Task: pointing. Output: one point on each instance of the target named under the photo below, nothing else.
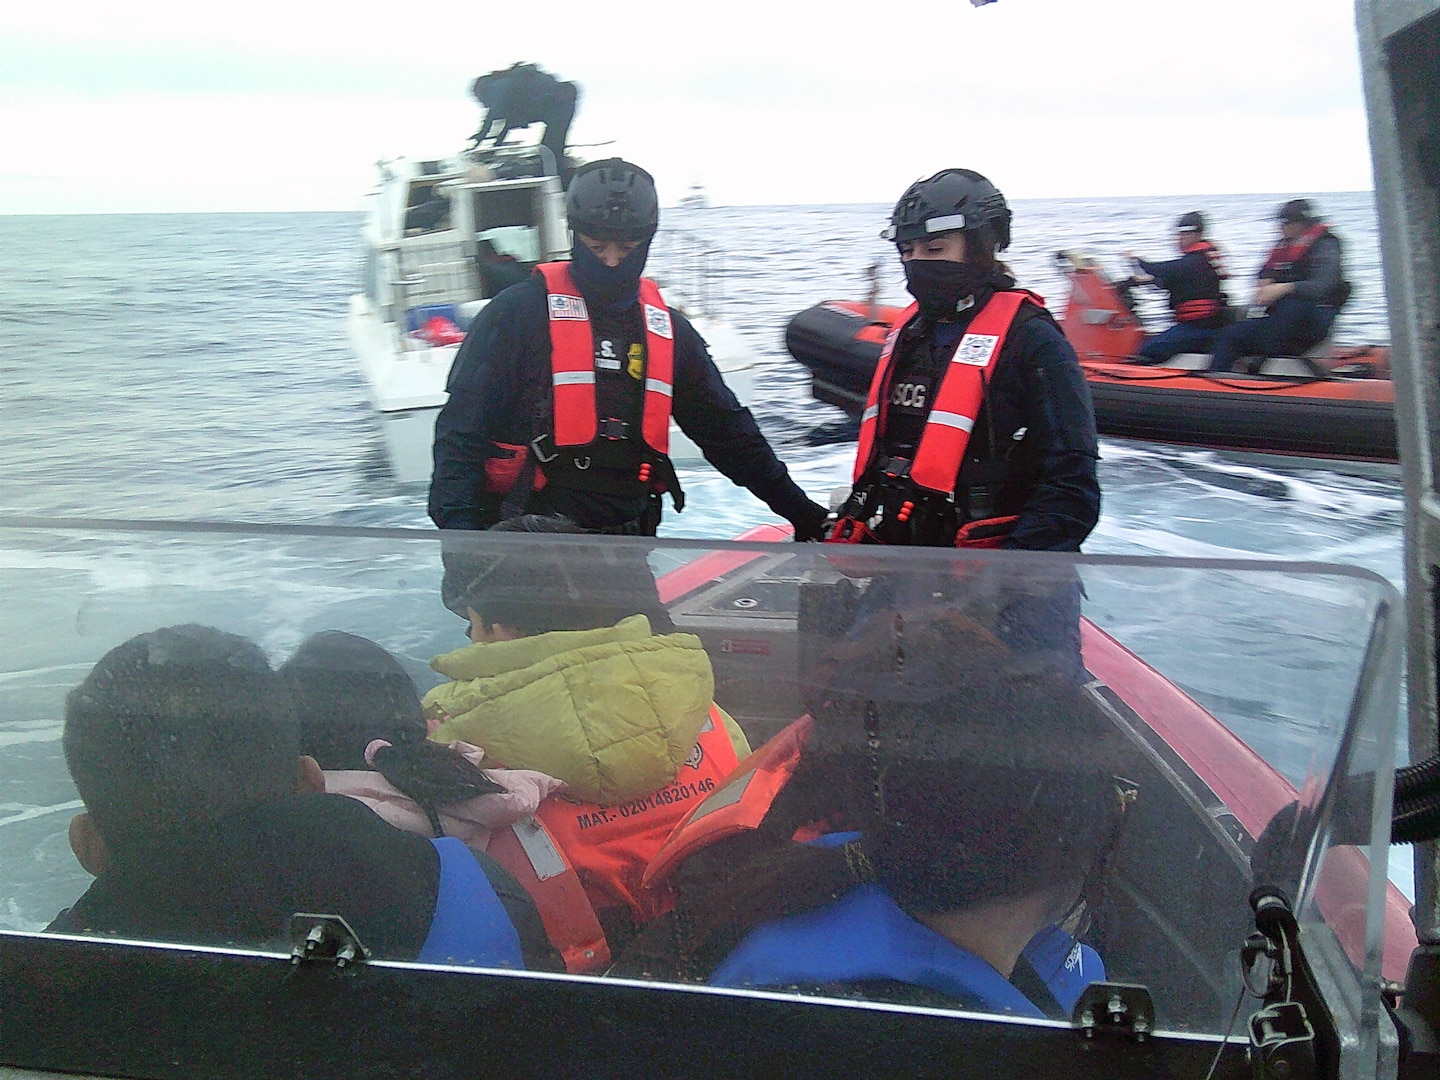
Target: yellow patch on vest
(636, 367)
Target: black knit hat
(539, 588)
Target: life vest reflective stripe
(540, 865)
(956, 404)
(1191, 310)
(611, 846)
(572, 362)
(739, 805)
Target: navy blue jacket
(500, 392)
(1189, 278)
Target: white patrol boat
(441, 239)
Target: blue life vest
(470, 926)
(865, 935)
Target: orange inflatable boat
(1339, 404)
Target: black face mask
(613, 287)
(939, 285)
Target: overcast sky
(154, 105)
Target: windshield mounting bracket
(1116, 1009)
(316, 938)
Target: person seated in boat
(565, 676)
(936, 835)
(979, 429)
(1194, 284)
(362, 721)
(521, 95)
(1301, 288)
(204, 823)
(562, 393)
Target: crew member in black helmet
(979, 429)
(1196, 293)
(562, 393)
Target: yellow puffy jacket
(613, 712)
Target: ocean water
(195, 367)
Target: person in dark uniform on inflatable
(979, 429)
(205, 824)
(562, 392)
(929, 838)
(1197, 297)
(1302, 287)
(522, 95)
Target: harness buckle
(583, 463)
(612, 429)
(895, 468)
(539, 444)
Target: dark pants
(1289, 327)
(1180, 338)
(557, 119)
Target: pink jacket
(470, 822)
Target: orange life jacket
(1288, 254)
(611, 846)
(955, 406)
(572, 362)
(738, 805)
(536, 860)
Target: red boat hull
(1349, 413)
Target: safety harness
(583, 449)
(925, 482)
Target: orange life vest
(955, 406)
(739, 804)
(535, 859)
(610, 846)
(572, 362)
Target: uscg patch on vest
(657, 321)
(568, 307)
(976, 349)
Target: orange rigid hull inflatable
(1340, 406)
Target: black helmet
(613, 200)
(1296, 212)
(951, 200)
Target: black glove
(809, 521)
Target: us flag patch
(568, 307)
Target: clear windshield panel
(976, 783)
